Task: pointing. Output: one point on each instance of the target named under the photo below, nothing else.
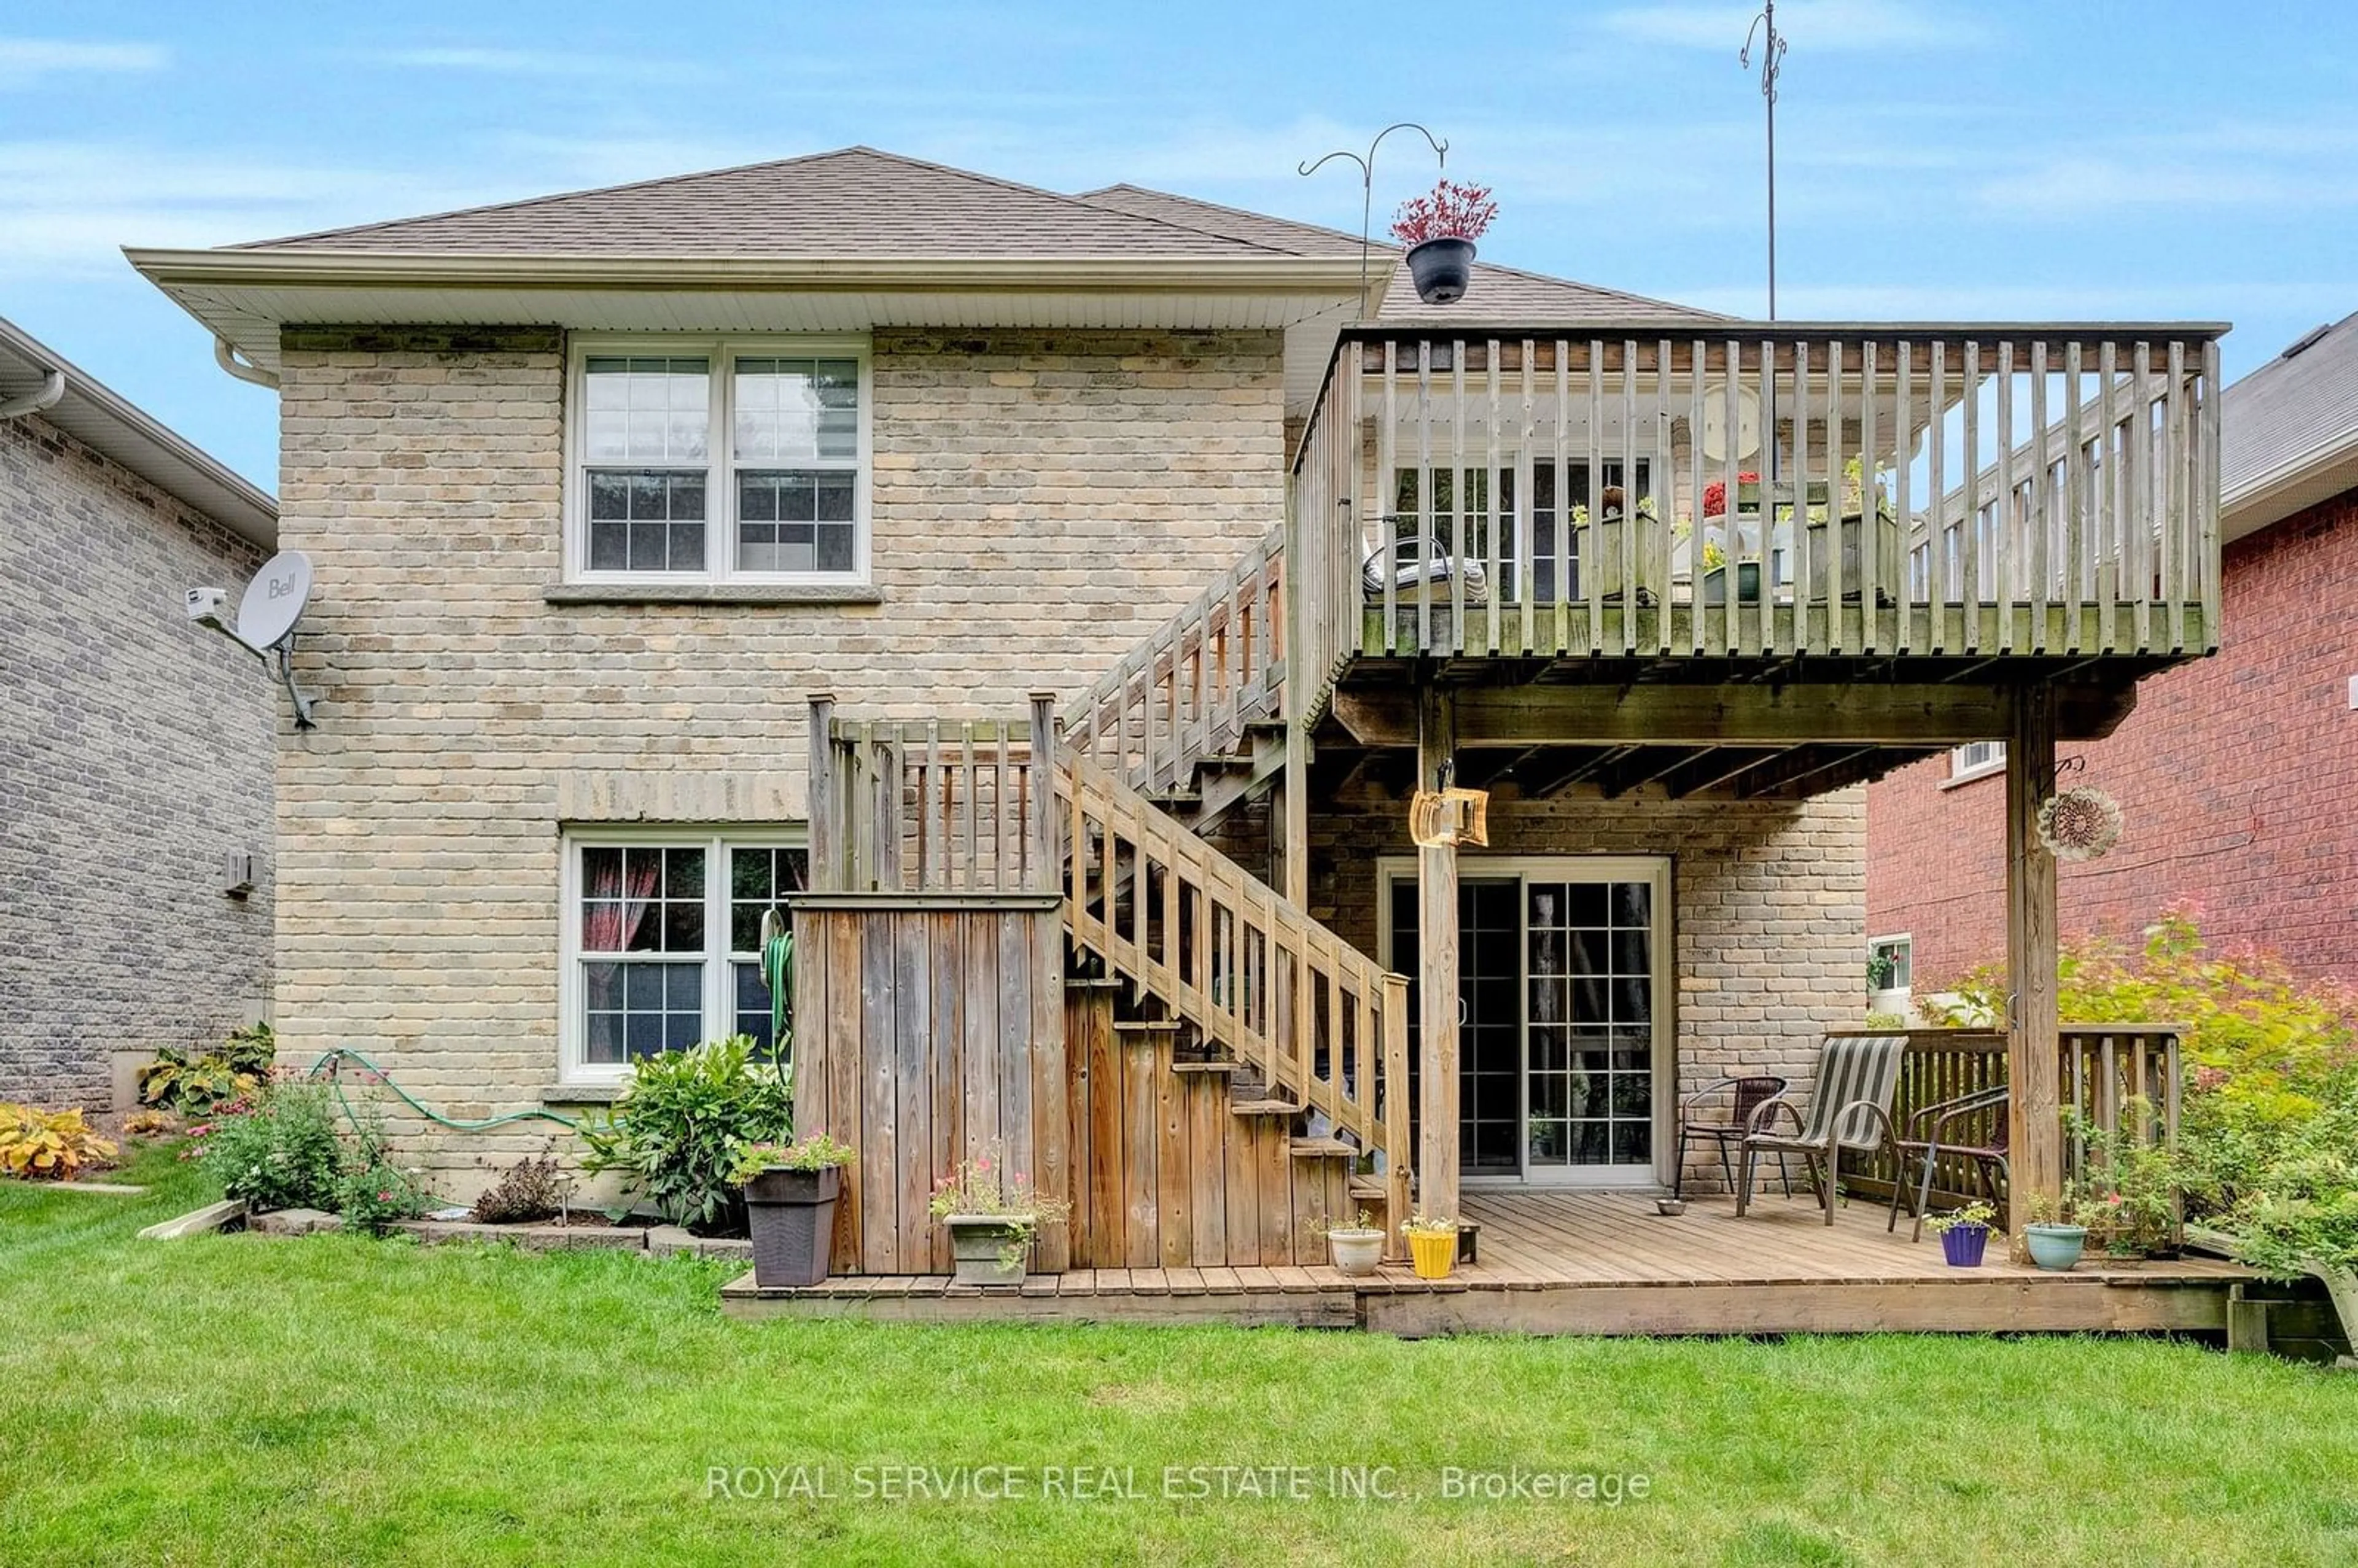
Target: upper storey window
(719, 461)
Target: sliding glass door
(1564, 1035)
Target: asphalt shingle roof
(857, 202)
(2303, 401)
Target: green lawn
(239, 1401)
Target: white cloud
(2084, 184)
(66, 206)
(530, 62)
(25, 60)
(1822, 25)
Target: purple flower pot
(1963, 1245)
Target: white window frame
(721, 460)
(1396, 872)
(1905, 941)
(719, 998)
(1975, 760)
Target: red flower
(1714, 494)
(1452, 211)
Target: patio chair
(1697, 1125)
(1850, 1107)
(1963, 1128)
(1418, 557)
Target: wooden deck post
(1436, 883)
(2035, 1129)
(819, 796)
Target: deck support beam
(2035, 1127)
(1833, 713)
(1437, 886)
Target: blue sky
(2083, 160)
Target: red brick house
(2235, 774)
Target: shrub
(2268, 1133)
(193, 1083)
(372, 1193)
(673, 1130)
(48, 1145)
(278, 1149)
(536, 1187)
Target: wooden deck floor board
(1592, 1262)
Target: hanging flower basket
(2078, 824)
(1439, 230)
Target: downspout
(229, 359)
(53, 387)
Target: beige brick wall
(1768, 909)
(137, 756)
(1041, 500)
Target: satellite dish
(1714, 422)
(274, 601)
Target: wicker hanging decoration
(2078, 824)
(1444, 818)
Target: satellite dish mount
(266, 616)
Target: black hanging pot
(1441, 269)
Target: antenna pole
(1772, 63)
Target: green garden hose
(329, 1068)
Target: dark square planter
(792, 1216)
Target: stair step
(1265, 726)
(1227, 761)
(1368, 1189)
(1094, 982)
(1324, 1148)
(1264, 1108)
(1177, 799)
(1146, 1026)
(1204, 1066)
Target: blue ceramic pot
(2055, 1247)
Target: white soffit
(249, 311)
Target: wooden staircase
(1284, 1021)
(1230, 1073)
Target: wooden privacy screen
(925, 1035)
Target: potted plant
(2057, 1231)
(1357, 1248)
(1963, 1234)
(992, 1215)
(1431, 1245)
(1890, 551)
(1603, 547)
(1439, 230)
(790, 1196)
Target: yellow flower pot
(1434, 1256)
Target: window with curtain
(664, 947)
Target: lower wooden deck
(1592, 1263)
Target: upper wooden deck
(1959, 493)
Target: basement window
(739, 461)
(1977, 758)
(662, 940)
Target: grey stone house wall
(136, 753)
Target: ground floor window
(1888, 963)
(663, 941)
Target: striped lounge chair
(1849, 1108)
